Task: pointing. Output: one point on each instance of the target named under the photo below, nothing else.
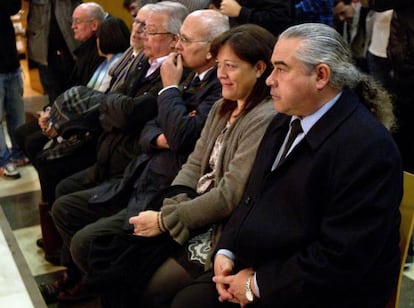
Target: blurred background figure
(379, 65)
(51, 43)
(11, 91)
(273, 15)
(314, 11)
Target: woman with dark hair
(112, 39)
(219, 166)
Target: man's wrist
(249, 290)
(166, 88)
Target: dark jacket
(274, 15)
(182, 131)
(322, 229)
(49, 23)
(87, 60)
(122, 117)
(9, 61)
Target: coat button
(247, 200)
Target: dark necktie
(194, 83)
(295, 130)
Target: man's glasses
(186, 41)
(77, 21)
(148, 32)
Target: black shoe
(40, 243)
(53, 257)
(78, 293)
(50, 291)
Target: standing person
(11, 91)
(379, 65)
(318, 225)
(400, 52)
(51, 44)
(273, 15)
(401, 56)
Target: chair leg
(52, 241)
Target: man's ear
(323, 75)
(260, 68)
(95, 25)
(209, 56)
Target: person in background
(86, 19)
(11, 92)
(112, 39)
(318, 225)
(273, 15)
(354, 23)
(131, 6)
(345, 19)
(51, 44)
(379, 65)
(400, 52)
(314, 11)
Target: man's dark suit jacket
(322, 229)
(181, 129)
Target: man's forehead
(80, 11)
(155, 19)
(285, 49)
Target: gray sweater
(233, 168)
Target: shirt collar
(310, 120)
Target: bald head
(86, 19)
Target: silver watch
(249, 292)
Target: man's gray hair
(176, 13)
(323, 44)
(94, 11)
(217, 23)
(320, 43)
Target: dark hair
(251, 43)
(216, 3)
(113, 36)
(127, 3)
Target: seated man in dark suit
(319, 222)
